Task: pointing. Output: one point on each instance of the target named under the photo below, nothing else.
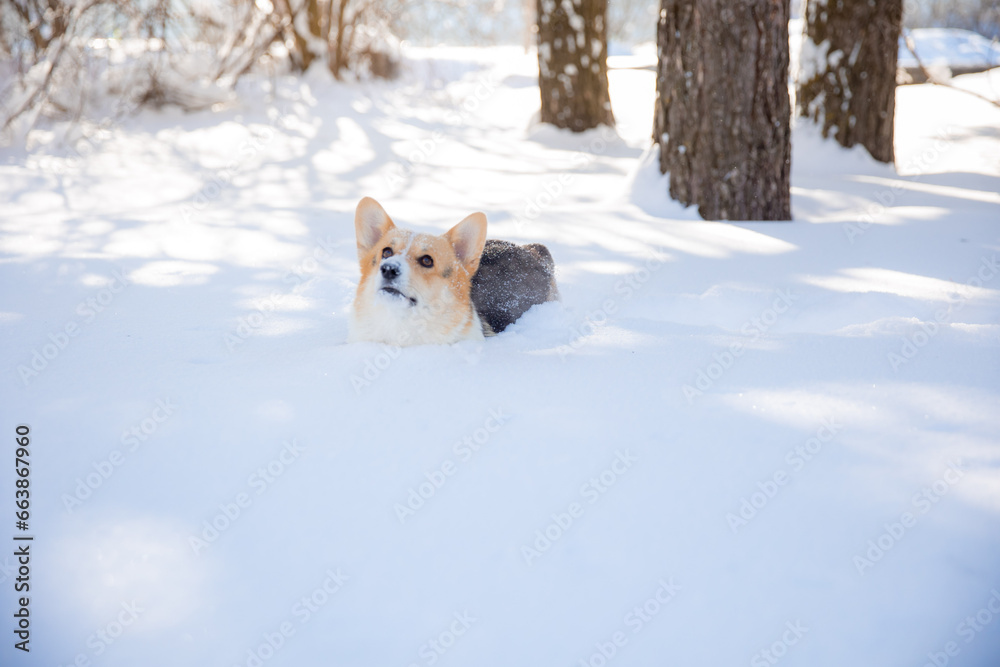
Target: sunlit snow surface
(949, 47)
(727, 438)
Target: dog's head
(412, 281)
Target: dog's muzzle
(390, 271)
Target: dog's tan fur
(421, 304)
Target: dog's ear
(468, 238)
(371, 222)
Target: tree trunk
(847, 79)
(338, 59)
(573, 63)
(298, 48)
(722, 112)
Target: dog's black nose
(390, 271)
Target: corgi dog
(418, 289)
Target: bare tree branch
(41, 91)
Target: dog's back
(510, 280)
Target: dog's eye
(427, 261)
(386, 253)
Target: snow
(728, 438)
(949, 47)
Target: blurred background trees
(847, 77)
(102, 59)
(573, 63)
(64, 59)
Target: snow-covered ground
(949, 47)
(729, 444)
